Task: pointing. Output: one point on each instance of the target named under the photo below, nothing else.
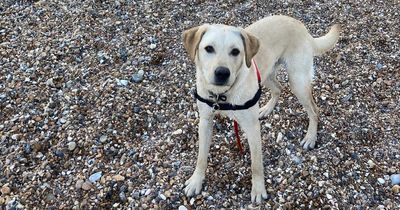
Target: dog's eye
(235, 52)
(209, 49)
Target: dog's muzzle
(221, 75)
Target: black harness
(227, 106)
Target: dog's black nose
(221, 75)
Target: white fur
(280, 37)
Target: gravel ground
(97, 111)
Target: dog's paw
(193, 185)
(308, 142)
(258, 193)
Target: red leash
(238, 143)
(235, 124)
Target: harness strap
(228, 106)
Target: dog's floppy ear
(251, 46)
(192, 38)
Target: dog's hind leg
(300, 71)
(272, 83)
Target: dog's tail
(325, 43)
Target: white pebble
(177, 132)
(381, 181)
(140, 73)
(279, 138)
(15, 136)
(182, 208)
(103, 138)
(122, 82)
(371, 163)
(94, 177)
(71, 145)
(153, 46)
(63, 120)
(163, 197)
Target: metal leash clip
(217, 98)
(215, 106)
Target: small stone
(254, 207)
(379, 66)
(329, 196)
(168, 193)
(136, 109)
(50, 197)
(15, 136)
(102, 57)
(177, 132)
(50, 82)
(5, 190)
(381, 181)
(163, 197)
(135, 194)
(296, 160)
(122, 196)
(118, 178)
(279, 137)
(346, 98)
(62, 120)
(59, 153)
(103, 138)
(123, 54)
(354, 156)
(14, 204)
(182, 208)
(71, 146)
(395, 178)
(27, 148)
(122, 82)
(79, 184)
(153, 46)
(94, 177)
(371, 164)
(87, 185)
(148, 191)
(138, 77)
(396, 189)
(38, 118)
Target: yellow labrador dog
(225, 75)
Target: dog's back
(279, 35)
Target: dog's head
(220, 52)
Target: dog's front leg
(251, 126)
(194, 184)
